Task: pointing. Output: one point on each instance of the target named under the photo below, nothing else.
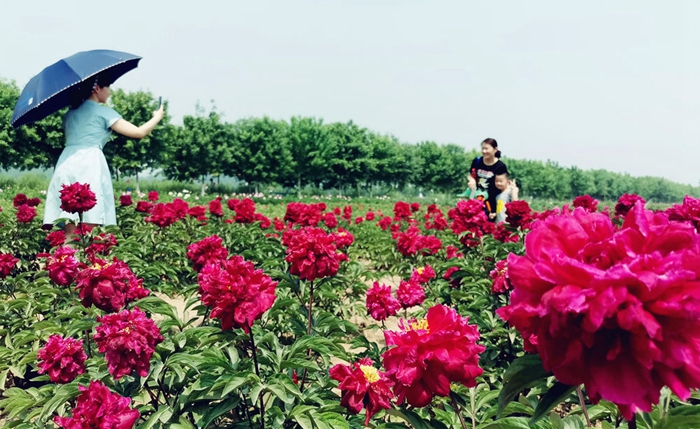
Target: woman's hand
(471, 183)
(158, 114)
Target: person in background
(509, 192)
(88, 126)
(483, 172)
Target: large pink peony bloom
(63, 266)
(426, 355)
(128, 340)
(62, 358)
(615, 309)
(97, 407)
(237, 292)
(380, 303)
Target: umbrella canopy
(56, 86)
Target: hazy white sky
(595, 84)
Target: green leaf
(217, 410)
(679, 421)
(63, 394)
(554, 396)
(521, 374)
(161, 416)
(330, 420)
(508, 423)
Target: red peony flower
(469, 221)
(237, 292)
(410, 293)
(97, 407)
(125, 200)
(614, 309)
(63, 266)
(162, 215)
(343, 238)
(363, 386)
(519, 214)
(312, 253)
(336, 211)
(77, 198)
(415, 207)
(7, 264)
(19, 200)
(33, 202)
(625, 204)
(330, 220)
(453, 252)
(244, 209)
(499, 275)
(454, 282)
(25, 214)
(402, 210)
(369, 216)
(62, 358)
(689, 211)
(198, 212)
(347, 213)
(128, 340)
(304, 214)
(412, 242)
(209, 250)
(504, 234)
(431, 353)
(586, 202)
(384, 222)
(215, 207)
(423, 274)
(380, 303)
(101, 245)
(144, 207)
(56, 238)
(359, 220)
(153, 196)
(109, 285)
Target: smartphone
(160, 102)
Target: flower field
(224, 313)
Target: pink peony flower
(97, 407)
(62, 358)
(128, 340)
(410, 293)
(380, 303)
(363, 386)
(617, 310)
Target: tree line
(302, 152)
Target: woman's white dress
(87, 130)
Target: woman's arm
(130, 130)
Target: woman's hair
(83, 90)
(494, 144)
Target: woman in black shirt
(482, 174)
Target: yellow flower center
(371, 373)
(98, 266)
(419, 325)
(420, 270)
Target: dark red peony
(62, 358)
(77, 198)
(97, 407)
(128, 340)
(363, 386)
(380, 303)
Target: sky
(595, 84)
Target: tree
(199, 148)
(310, 149)
(265, 156)
(351, 154)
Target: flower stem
(455, 405)
(257, 372)
(308, 331)
(582, 401)
(632, 424)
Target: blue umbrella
(56, 85)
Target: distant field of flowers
(239, 311)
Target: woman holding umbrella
(88, 126)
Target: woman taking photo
(483, 172)
(88, 126)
